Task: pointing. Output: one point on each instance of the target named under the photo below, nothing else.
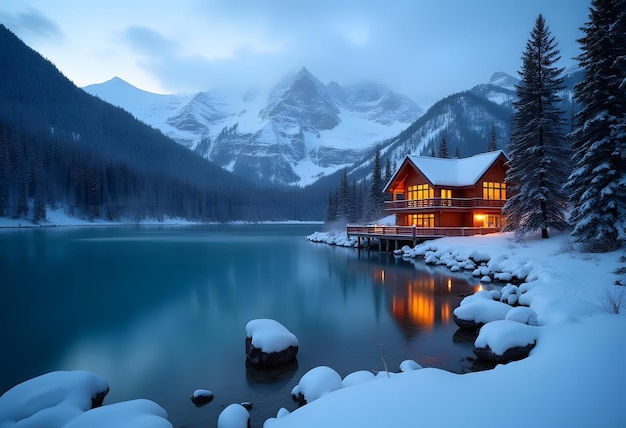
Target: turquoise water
(161, 311)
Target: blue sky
(424, 49)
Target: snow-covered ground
(573, 377)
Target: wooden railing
(418, 232)
(444, 203)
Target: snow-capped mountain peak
(295, 134)
(503, 80)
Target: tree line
(592, 183)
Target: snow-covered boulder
(504, 340)
(315, 383)
(522, 314)
(478, 312)
(269, 343)
(234, 416)
(127, 414)
(409, 365)
(52, 399)
(201, 397)
(358, 377)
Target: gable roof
(451, 172)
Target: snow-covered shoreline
(58, 218)
(573, 376)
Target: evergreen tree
(492, 146)
(597, 184)
(457, 153)
(388, 171)
(443, 148)
(537, 171)
(343, 204)
(376, 197)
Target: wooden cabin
(432, 192)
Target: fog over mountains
(303, 130)
(300, 131)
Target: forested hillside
(61, 147)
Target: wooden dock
(396, 236)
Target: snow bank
(550, 389)
(50, 400)
(269, 335)
(128, 414)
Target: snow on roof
(452, 172)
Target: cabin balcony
(443, 203)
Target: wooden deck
(447, 203)
(398, 234)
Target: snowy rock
(357, 377)
(281, 412)
(269, 343)
(505, 340)
(315, 383)
(522, 314)
(475, 314)
(409, 365)
(485, 279)
(127, 414)
(52, 399)
(201, 397)
(234, 416)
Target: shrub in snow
(478, 312)
(315, 383)
(52, 399)
(127, 414)
(234, 416)
(522, 314)
(409, 365)
(358, 377)
(269, 343)
(201, 397)
(504, 340)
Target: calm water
(161, 311)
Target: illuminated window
(446, 195)
(493, 190)
(421, 191)
(422, 220)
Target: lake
(161, 311)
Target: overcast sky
(426, 49)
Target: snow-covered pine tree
(492, 146)
(443, 148)
(537, 170)
(597, 184)
(376, 197)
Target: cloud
(32, 23)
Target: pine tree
(597, 184)
(537, 171)
(492, 146)
(376, 197)
(443, 148)
(343, 205)
(457, 153)
(388, 171)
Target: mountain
(297, 132)
(62, 147)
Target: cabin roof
(451, 172)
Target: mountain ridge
(300, 130)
